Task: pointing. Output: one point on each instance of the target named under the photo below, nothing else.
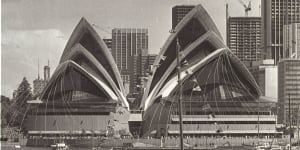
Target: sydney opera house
(85, 95)
(220, 96)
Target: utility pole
(180, 90)
(290, 130)
(258, 122)
(38, 68)
(180, 94)
(298, 115)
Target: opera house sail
(85, 95)
(220, 96)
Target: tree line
(13, 110)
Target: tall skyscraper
(178, 12)
(289, 89)
(147, 64)
(141, 67)
(276, 14)
(244, 37)
(128, 46)
(136, 75)
(291, 40)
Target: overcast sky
(33, 29)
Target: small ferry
(268, 146)
(59, 146)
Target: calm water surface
(11, 146)
(37, 148)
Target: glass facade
(129, 45)
(276, 14)
(291, 42)
(178, 12)
(244, 37)
(289, 88)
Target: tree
(23, 93)
(5, 104)
(19, 106)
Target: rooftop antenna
(227, 14)
(38, 68)
(290, 123)
(227, 18)
(247, 8)
(259, 10)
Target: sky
(33, 30)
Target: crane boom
(247, 8)
(242, 2)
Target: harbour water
(39, 148)
(11, 146)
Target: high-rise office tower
(244, 37)
(136, 75)
(147, 65)
(276, 14)
(289, 91)
(178, 12)
(291, 40)
(140, 73)
(128, 46)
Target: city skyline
(153, 72)
(32, 29)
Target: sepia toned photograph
(150, 74)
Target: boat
(59, 146)
(17, 146)
(287, 147)
(268, 146)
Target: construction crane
(247, 8)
